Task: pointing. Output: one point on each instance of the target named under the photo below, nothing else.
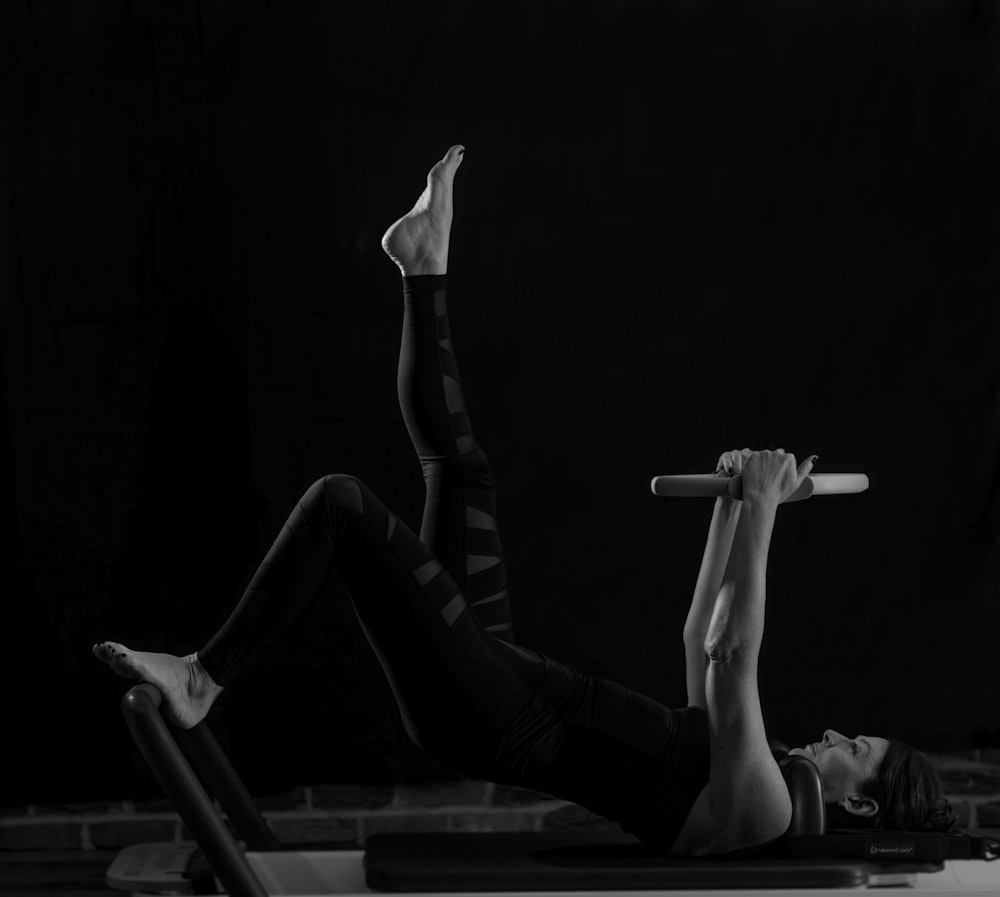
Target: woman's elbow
(723, 651)
(694, 636)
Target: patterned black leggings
(434, 608)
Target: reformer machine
(807, 860)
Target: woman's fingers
(734, 462)
(805, 468)
(725, 462)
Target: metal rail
(141, 708)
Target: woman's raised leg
(439, 660)
(460, 518)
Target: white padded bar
(708, 485)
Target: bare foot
(188, 691)
(418, 242)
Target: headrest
(809, 819)
(805, 788)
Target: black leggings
(435, 610)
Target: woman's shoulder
(698, 836)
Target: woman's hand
(730, 465)
(771, 477)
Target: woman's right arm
(748, 798)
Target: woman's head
(872, 782)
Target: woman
(691, 781)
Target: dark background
(680, 227)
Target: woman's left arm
(718, 544)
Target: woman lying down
(694, 780)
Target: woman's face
(844, 763)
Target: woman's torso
(615, 751)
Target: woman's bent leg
(457, 688)
(459, 521)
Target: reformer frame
(161, 745)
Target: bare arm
(713, 565)
(749, 800)
(721, 530)
(737, 625)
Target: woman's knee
(338, 490)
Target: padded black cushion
(566, 861)
(806, 790)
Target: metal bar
(141, 706)
(217, 772)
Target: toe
(448, 164)
(453, 158)
(446, 168)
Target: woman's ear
(859, 805)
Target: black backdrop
(681, 227)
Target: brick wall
(350, 813)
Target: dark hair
(908, 793)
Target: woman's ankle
(213, 687)
(419, 269)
